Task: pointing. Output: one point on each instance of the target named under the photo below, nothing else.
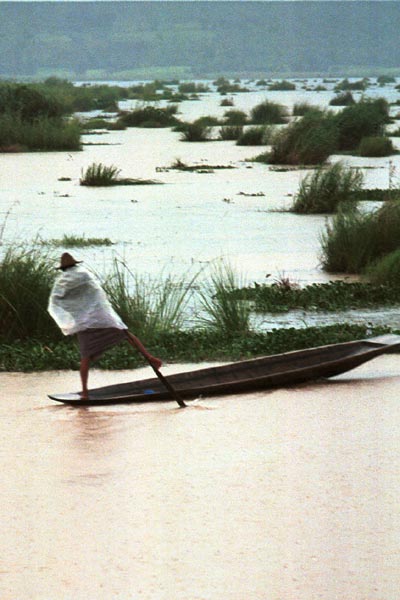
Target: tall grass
(195, 132)
(230, 132)
(376, 146)
(150, 116)
(386, 270)
(310, 140)
(354, 240)
(98, 174)
(76, 241)
(40, 134)
(26, 278)
(223, 310)
(255, 136)
(325, 189)
(268, 113)
(149, 307)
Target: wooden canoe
(260, 373)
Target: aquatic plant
(343, 99)
(326, 188)
(99, 175)
(386, 271)
(235, 117)
(75, 241)
(364, 119)
(26, 278)
(195, 132)
(150, 116)
(255, 136)
(310, 140)
(227, 102)
(376, 146)
(230, 132)
(283, 85)
(301, 108)
(42, 134)
(355, 239)
(268, 112)
(222, 310)
(148, 306)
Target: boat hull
(261, 373)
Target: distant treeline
(193, 39)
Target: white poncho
(78, 302)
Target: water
(281, 494)
(286, 494)
(190, 221)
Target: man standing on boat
(78, 304)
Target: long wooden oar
(139, 346)
(169, 387)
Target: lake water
(288, 494)
(190, 221)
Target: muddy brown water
(286, 494)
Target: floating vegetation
(99, 175)
(74, 241)
(325, 189)
(376, 146)
(178, 165)
(255, 195)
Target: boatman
(78, 304)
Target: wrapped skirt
(93, 342)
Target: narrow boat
(259, 373)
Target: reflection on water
(297, 487)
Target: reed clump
(76, 241)
(195, 132)
(326, 189)
(43, 133)
(150, 307)
(268, 112)
(222, 310)
(255, 136)
(235, 117)
(26, 278)
(376, 146)
(99, 175)
(355, 239)
(230, 132)
(150, 116)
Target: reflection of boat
(259, 373)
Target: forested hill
(102, 39)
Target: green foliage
(230, 132)
(330, 297)
(26, 277)
(346, 85)
(192, 345)
(283, 85)
(40, 134)
(354, 240)
(310, 140)
(325, 189)
(343, 99)
(75, 241)
(150, 116)
(376, 146)
(386, 271)
(100, 175)
(301, 108)
(268, 113)
(223, 311)
(192, 88)
(364, 119)
(235, 117)
(254, 136)
(149, 307)
(227, 102)
(195, 132)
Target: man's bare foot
(155, 362)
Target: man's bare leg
(136, 343)
(84, 373)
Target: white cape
(78, 302)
